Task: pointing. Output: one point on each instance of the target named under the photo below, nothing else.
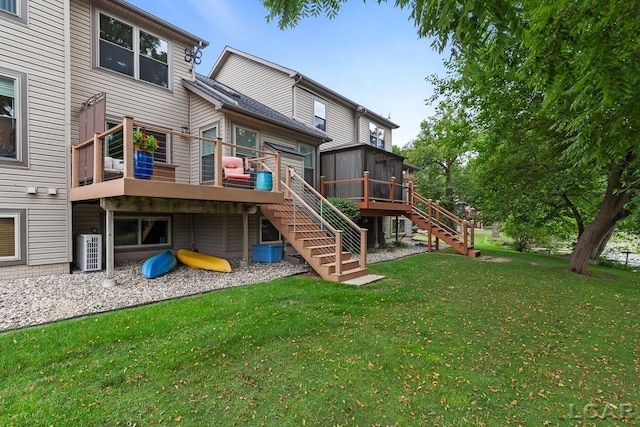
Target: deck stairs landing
(332, 244)
(442, 224)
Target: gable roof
(222, 96)
(160, 24)
(228, 51)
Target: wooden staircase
(442, 224)
(327, 240)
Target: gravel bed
(33, 301)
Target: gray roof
(223, 96)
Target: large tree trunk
(611, 211)
(598, 249)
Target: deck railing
(304, 198)
(366, 189)
(110, 155)
(434, 212)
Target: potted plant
(145, 145)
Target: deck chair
(234, 174)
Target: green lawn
(443, 340)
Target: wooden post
(363, 247)
(322, 190)
(75, 156)
(287, 181)
(429, 223)
(110, 280)
(127, 145)
(465, 225)
(366, 189)
(473, 232)
(217, 163)
(392, 186)
(338, 252)
(276, 177)
(245, 238)
(98, 158)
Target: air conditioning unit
(89, 252)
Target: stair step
(322, 249)
(315, 241)
(346, 265)
(330, 258)
(350, 274)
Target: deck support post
(110, 280)
(245, 239)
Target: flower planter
(142, 164)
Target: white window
(13, 132)
(14, 9)
(207, 150)
(268, 233)
(320, 115)
(376, 135)
(12, 237)
(141, 232)
(246, 138)
(309, 152)
(132, 51)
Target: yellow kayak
(205, 262)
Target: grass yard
(444, 340)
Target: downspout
(297, 77)
(67, 124)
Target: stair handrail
(354, 228)
(447, 215)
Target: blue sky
(368, 53)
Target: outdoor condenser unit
(89, 252)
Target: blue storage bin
(267, 253)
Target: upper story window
(13, 133)
(246, 138)
(129, 50)
(320, 115)
(376, 135)
(14, 9)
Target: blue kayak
(159, 264)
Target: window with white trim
(12, 237)
(376, 135)
(320, 115)
(13, 111)
(207, 150)
(129, 50)
(244, 137)
(268, 233)
(131, 232)
(14, 9)
(309, 152)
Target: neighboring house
(361, 139)
(34, 139)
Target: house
(358, 162)
(361, 140)
(70, 174)
(35, 221)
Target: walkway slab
(364, 280)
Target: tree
(441, 151)
(580, 58)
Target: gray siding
(340, 121)
(147, 103)
(264, 84)
(21, 51)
